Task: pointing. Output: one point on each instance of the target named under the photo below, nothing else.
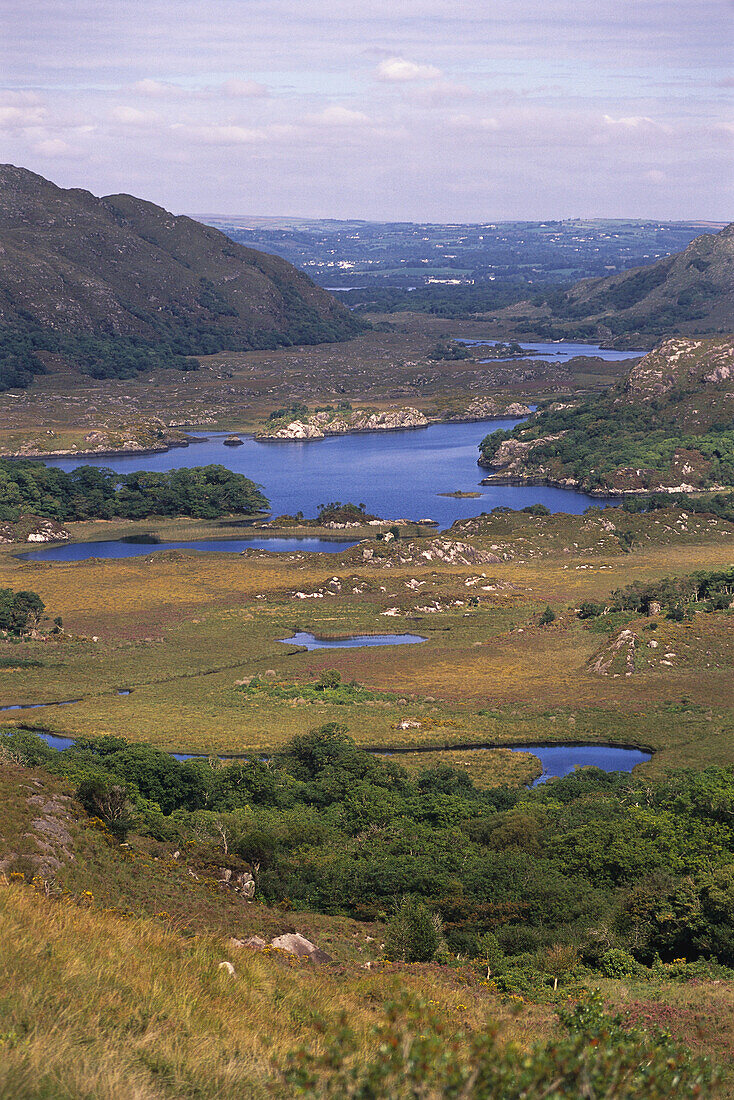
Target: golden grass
(181, 628)
(486, 767)
(113, 1008)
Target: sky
(405, 110)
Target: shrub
(420, 1052)
(617, 963)
(414, 934)
(548, 616)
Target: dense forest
(598, 871)
(91, 492)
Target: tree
(328, 680)
(107, 801)
(20, 611)
(559, 959)
(414, 934)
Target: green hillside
(691, 292)
(668, 425)
(117, 285)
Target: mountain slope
(687, 293)
(77, 267)
(669, 425)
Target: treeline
(711, 590)
(441, 301)
(713, 504)
(91, 492)
(606, 871)
(175, 345)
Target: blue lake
(357, 641)
(559, 352)
(560, 760)
(124, 548)
(395, 474)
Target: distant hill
(669, 425)
(687, 293)
(119, 285)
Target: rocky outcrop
(33, 529)
(681, 363)
(295, 429)
(320, 424)
(485, 408)
(146, 437)
(617, 656)
(242, 883)
(444, 550)
(296, 944)
(510, 456)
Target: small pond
(310, 641)
(129, 548)
(35, 706)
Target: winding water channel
(557, 760)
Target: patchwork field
(181, 631)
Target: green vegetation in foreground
(618, 871)
(90, 492)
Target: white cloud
(56, 147)
(232, 133)
(244, 89)
(158, 89)
(400, 71)
(20, 109)
(631, 122)
(340, 116)
(131, 116)
(467, 122)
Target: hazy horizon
(540, 111)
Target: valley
(361, 662)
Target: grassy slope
(113, 988)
